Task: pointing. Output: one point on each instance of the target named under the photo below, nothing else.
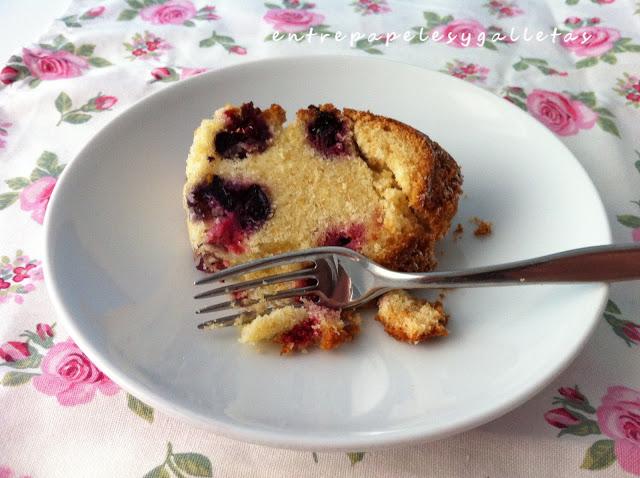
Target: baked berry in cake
(349, 178)
(302, 326)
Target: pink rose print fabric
(371, 7)
(467, 71)
(559, 113)
(619, 419)
(146, 46)
(35, 197)
(591, 40)
(18, 277)
(99, 57)
(48, 65)
(33, 192)
(173, 12)
(460, 33)
(14, 351)
(70, 376)
(292, 21)
(6, 472)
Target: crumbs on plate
(483, 228)
(457, 232)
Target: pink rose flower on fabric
(44, 331)
(632, 332)
(6, 472)
(559, 113)
(591, 40)
(572, 395)
(189, 72)
(95, 11)
(238, 50)
(105, 102)
(292, 21)
(160, 73)
(635, 234)
(173, 12)
(561, 418)
(459, 33)
(53, 65)
(8, 75)
(68, 374)
(14, 351)
(35, 197)
(619, 419)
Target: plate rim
(282, 438)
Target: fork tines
(301, 257)
(236, 310)
(239, 313)
(255, 283)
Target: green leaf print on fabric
(140, 408)
(180, 465)
(82, 114)
(599, 456)
(627, 330)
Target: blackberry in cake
(256, 187)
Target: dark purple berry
(220, 192)
(249, 203)
(351, 237)
(327, 132)
(256, 207)
(246, 132)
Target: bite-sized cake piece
(300, 327)
(347, 178)
(410, 319)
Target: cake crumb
(457, 232)
(410, 319)
(483, 228)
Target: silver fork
(341, 278)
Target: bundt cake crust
(425, 172)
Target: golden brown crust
(412, 253)
(309, 113)
(275, 115)
(332, 337)
(398, 333)
(426, 173)
(410, 319)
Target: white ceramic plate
(119, 267)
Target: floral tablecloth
(62, 417)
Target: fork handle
(609, 263)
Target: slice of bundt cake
(348, 178)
